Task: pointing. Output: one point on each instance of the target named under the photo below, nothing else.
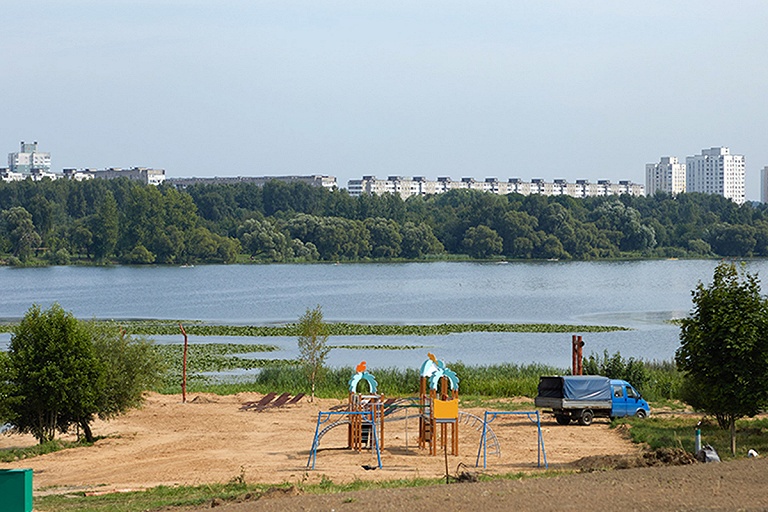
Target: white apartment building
(764, 185)
(666, 176)
(716, 171)
(29, 160)
(142, 174)
(420, 186)
(315, 180)
(7, 176)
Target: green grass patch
(169, 498)
(503, 381)
(162, 497)
(16, 454)
(679, 432)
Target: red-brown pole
(580, 355)
(184, 367)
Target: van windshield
(631, 393)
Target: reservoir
(640, 295)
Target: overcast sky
(530, 89)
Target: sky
(587, 89)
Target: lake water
(641, 295)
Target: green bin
(16, 490)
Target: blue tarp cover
(586, 387)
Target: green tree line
(123, 221)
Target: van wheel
(562, 420)
(640, 414)
(586, 418)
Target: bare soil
(209, 439)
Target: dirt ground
(209, 439)
(729, 486)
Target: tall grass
(505, 380)
(656, 380)
(679, 432)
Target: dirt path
(209, 439)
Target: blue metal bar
(491, 415)
(325, 416)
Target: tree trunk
(733, 436)
(86, 431)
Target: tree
(313, 348)
(263, 240)
(104, 226)
(60, 372)
(385, 237)
(128, 366)
(20, 230)
(724, 348)
(50, 373)
(482, 242)
(418, 240)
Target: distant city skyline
(558, 90)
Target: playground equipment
(364, 417)
(361, 426)
(489, 416)
(439, 403)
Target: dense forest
(102, 221)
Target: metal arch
(325, 416)
(533, 417)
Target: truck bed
(569, 403)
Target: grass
(504, 381)
(679, 431)
(164, 497)
(16, 454)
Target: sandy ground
(209, 439)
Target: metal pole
(697, 441)
(184, 367)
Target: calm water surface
(641, 295)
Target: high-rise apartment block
(716, 171)
(29, 161)
(666, 176)
(764, 185)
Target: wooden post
(184, 366)
(580, 359)
(577, 355)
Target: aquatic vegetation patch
(379, 347)
(198, 328)
(216, 357)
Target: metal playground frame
(489, 416)
(366, 417)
